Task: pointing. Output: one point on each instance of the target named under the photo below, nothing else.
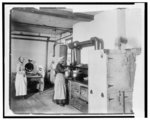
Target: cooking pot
(67, 73)
(76, 73)
(85, 78)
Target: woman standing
(40, 85)
(21, 80)
(59, 84)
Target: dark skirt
(58, 101)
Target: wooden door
(115, 102)
(97, 70)
(120, 102)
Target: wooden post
(46, 64)
(124, 102)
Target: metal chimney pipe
(54, 49)
(97, 42)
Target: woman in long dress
(21, 80)
(40, 85)
(59, 83)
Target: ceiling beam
(64, 37)
(29, 34)
(43, 26)
(72, 16)
(32, 39)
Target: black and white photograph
(76, 60)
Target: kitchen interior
(100, 50)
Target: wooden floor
(40, 103)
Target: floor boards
(40, 103)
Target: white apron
(52, 72)
(40, 85)
(21, 81)
(59, 87)
(52, 75)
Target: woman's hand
(66, 69)
(24, 73)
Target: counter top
(78, 81)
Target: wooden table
(30, 81)
(33, 77)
